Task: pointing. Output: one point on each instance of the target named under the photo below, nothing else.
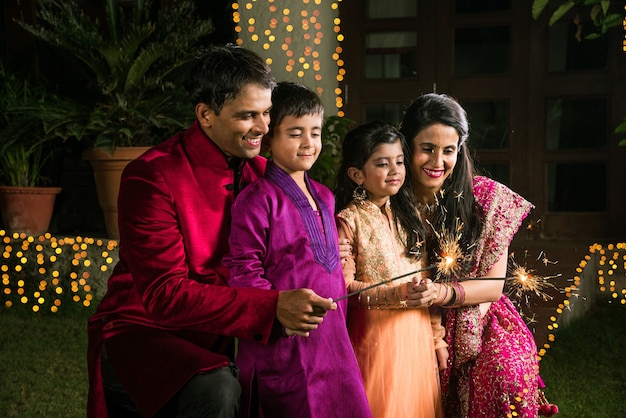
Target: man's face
(241, 124)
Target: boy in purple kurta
(284, 236)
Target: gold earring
(359, 193)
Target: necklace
(427, 207)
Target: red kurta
(168, 313)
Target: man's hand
(302, 310)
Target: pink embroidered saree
(493, 369)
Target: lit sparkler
(524, 282)
(451, 256)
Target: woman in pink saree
(492, 368)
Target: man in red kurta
(161, 339)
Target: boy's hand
(302, 310)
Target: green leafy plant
(603, 13)
(325, 168)
(621, 129)
(27, 129)
(133, 61)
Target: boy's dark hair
(293, 99)
(221, 72)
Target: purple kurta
(277, 242)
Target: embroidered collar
(323, 245)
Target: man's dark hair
(221, 72)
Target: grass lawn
(43, 370)
(584, 369)
(43, 366)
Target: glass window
(483, 50)
(481, 6)
(489, 124)
(391, 54)
(576, 123)
(389, 112)
(566, 53)
(496, 171)
(377, 9)
(577, 187)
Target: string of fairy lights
(293, 37)
(611, 264)
(47, 273)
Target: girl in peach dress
(396, 344)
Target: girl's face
(435, 151)
(296, 143)
(383, 173)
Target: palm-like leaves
(134, 59)
(26, 129)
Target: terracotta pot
(27, 209)
(107, 169)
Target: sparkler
(525, 282)
(356, 292)
(451, 257)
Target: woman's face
(435, 151)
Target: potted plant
(325, 168)
(133, 61)
(26, 199)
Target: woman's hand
(442, 357)
(345, 249)
(421, 293)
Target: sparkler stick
(356, 292)
(466, 279)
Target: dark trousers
(214, 394)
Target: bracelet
(452, 302)
(459, 295)
(377, 296)
(385, 298)
(441, 300)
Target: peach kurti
(394, 345)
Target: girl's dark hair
(358, 146)
(221, 72)
(292, 99)
(458, 200)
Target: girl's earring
(359, 193)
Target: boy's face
(240, 126)
(296, 143)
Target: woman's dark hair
(221, 72)
(358, 146)
(428, 110)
